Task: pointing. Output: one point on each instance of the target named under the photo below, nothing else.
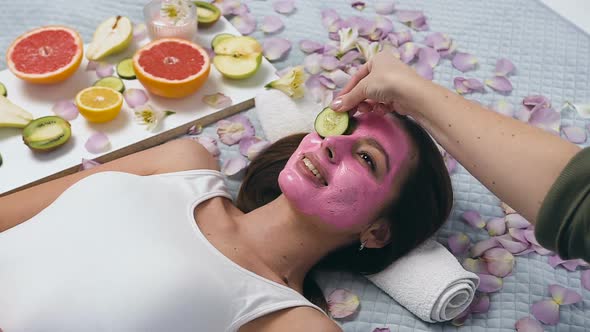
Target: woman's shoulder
(184, 154)
(297, 319)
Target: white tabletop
(576, 11)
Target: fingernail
(336, 103)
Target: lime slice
(112, 82)
(125, 69)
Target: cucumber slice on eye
(332, 123)
(3, 91)
(112, 82)
(125, 69)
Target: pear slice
(13, 116)
(238, 57)
(111, 37)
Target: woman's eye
(367, 159)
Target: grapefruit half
(45, 55)
(171, 67)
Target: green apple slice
(112, 36)
(238, 57)
(220, 37)
(12, 115)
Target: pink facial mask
(352, 195)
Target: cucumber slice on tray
(332, 123)
(111, 82)
(125, 69)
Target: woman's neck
(289, 243)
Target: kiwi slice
(112, 82)
(207, 14)
(47, 133)
(3, 91)
(219, 38)
(125, 69)
(332, 123)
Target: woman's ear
(377, 234)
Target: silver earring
(362, 245)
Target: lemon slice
(99, 104)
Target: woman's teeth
(313, 169)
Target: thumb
(351, 99)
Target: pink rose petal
(217, 100)
(358, 5)
(503, 107)
(542, 251)
(496, 226)
(500, 261)
(429, 55)
(415, 19)
(88, 164)
(139, 32)
(450, 162)
(399, 38)
(384, 7)
(516, 221)
(463, 85)
(546, 311)
(229, 7)
(438, 41)
(349, 57)
(473, 218)
(546, 118)
(513, 247)
(342, 303)
(234, 166)
(233, 129)
(585, 279)
(135, 97)
(245, 24)
(506, 208)
(425, 70)
(464, 61)
(574, 134)
(310, 46)
(312, 63)
(383, 26)
(246, 143)
(527, 324)
(475, 265)
(364, 26)
(564, 296)
(499, 83)
(331, 20)
(529, 235)
(382, 329)
(408, 52)
(98, 143)
(271, 24)
(195, 130)
(92, 65)
(276, 48)
(482, 246)
(504, 67)
(104, 69)
(536, 101)
(459, 243)
(328, 83)
(489, 283)
(284, 71)
(285, 7)
(66, 109)
(329, 62)
(450, 52)
(518, 235)
(210, 144)
(255, 149)
(480, 304)
(461, 318)
(339, 77)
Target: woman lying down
(153, 242)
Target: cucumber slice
(332, 123)
(220, 37)
(3, 91)
(111, 82)
(125, 69)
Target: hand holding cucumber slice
(332, 123)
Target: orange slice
(99, 104)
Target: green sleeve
(563, 223)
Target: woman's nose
(334, 146)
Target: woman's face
(346, 180)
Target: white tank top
(121, 252)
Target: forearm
(515, 161)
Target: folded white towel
(429, 281)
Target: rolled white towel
(429, 282)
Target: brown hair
(422, 206)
